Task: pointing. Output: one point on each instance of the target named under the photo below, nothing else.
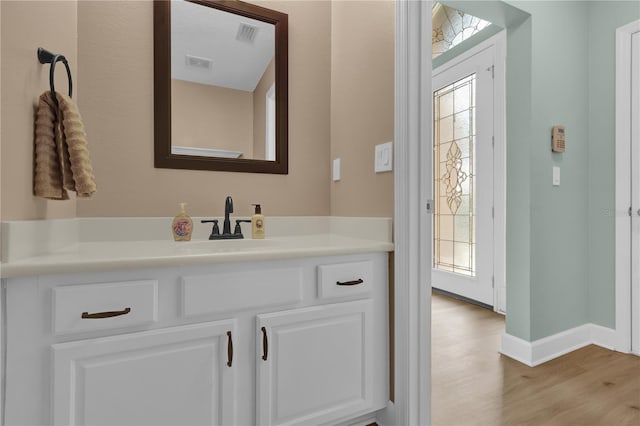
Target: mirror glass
(221, 67)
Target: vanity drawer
(242, 290)
(87, 307)
(345, 279)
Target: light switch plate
(556, 176)
(336, 169)
(384, 157)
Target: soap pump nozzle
(257, 223)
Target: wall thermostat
(557, 139)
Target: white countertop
(102, 255)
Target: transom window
(452, 27)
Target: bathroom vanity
(289, 330)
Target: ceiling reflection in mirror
(222, 83)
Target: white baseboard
(516, 348)
(603, 336)
(551, 347)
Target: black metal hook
(46, 57)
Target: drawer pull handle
(229, 349)
(98, 315)
(356, 282)
(265, 344)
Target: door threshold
(462, 298)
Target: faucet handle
(215, 231)
(238, 229)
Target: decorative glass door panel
(454, 177)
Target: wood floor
(472, 384)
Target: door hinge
(630, 211)
(430, 206)
(492, 68)
(493, 141)
(493, 281)
(493, 212)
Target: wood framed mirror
(220, 86)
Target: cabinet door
(172, 376)
(318, 365)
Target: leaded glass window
(451, 27)
(454, 177)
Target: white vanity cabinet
(173, 376)
(186, 346)
(315, 364)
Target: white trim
(412, 233)
(635, 193)
(499, 38)
(500, 175)
(623, 185)
(603, 336)
(516, 348)
(551, 347)
(270, 124)
(204, 152)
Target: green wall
(518, 226)
(558, 224)
(604, 18)
(560, 240)
(559, 243)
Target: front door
(463, 108)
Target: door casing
(624, 288)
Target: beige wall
(340, 109)
(206, 116)
(117, 105)
(362, 99)
(260, 109)
(25, 27)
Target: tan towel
(60, 149)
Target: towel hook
(46, 57)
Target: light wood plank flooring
(472, 384)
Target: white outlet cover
(336, 169)
(556, 176)
(384, 157)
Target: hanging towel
(60, 149)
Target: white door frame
(412, 189)
(498, 43)
(623, 187)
